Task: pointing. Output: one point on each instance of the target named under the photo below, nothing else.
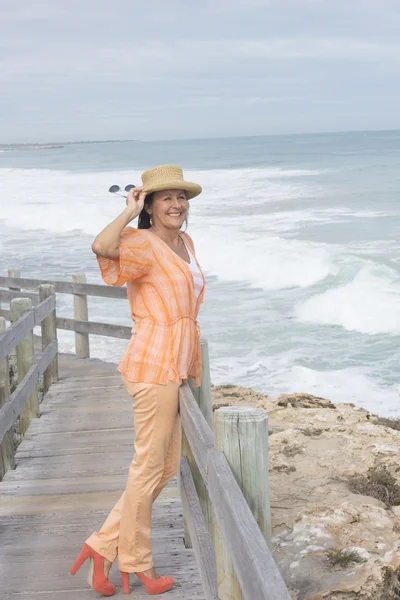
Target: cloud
(91, 61)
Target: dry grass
(391, 585)
(284, 468)
(226, 386)
(310, 432)
(377, 483)
(393, 423)
(291, 450)
(344, 558)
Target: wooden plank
(202, 396)
(7, 460)
(58, 523)
(105, 291)
(14, 335)
(254, 564)
(123, 332)
(8, 295)
(205, 396)
(10, 339)
(25, 354)
(81, 314)
(6, 314)
(197, 431)
(66, 287)
(14, 273)
(117, 331)
(12, 409)
(198, 530)
(49, 333)
(255, 567)
(241, 433)
(42, 310)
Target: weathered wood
(254, 565)
(187, 454)
(45, 308)
(199, 534)
(241, 433)
(20, 328)
(7, 460)
(116, 331)
(123, 332)
(197, 431)
(6, 314)
(25, 353)
(18, 401)
(59, 522)
(15, 334)
(203, 397)
(253, 562)
(65, 287)
(8, 295)
(14, 274)
(81, 314)
(49, 333)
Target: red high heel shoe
(153, 586)
(98, 570)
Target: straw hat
(168, 177)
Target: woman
(165, 289)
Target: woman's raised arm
(106, 244)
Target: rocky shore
(335, 495)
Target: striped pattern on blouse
(164, 305)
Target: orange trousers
(157, 425)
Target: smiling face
(169, 209)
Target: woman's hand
(107, 242)
(135, 201)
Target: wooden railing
(80, 291)
(225, 495)
(23, 402)
(224, 473)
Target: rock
(312, 454)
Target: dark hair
(144, 217)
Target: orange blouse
(166, 338)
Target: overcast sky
(159, 69)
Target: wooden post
(7, 446)
(203, 398)
(81, 314)
(14, 273)
(242, 434)
(25, 352)
(49, 333)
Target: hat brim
(192, 189)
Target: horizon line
(194, 139)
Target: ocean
(299, 238)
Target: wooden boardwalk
(71, 467)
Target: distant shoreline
(29, 147)
(46, 146)
(61, 144)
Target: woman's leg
(172, 460)
(157, 444)
(105, 541)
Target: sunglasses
(115, 189)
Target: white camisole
(197, 277)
